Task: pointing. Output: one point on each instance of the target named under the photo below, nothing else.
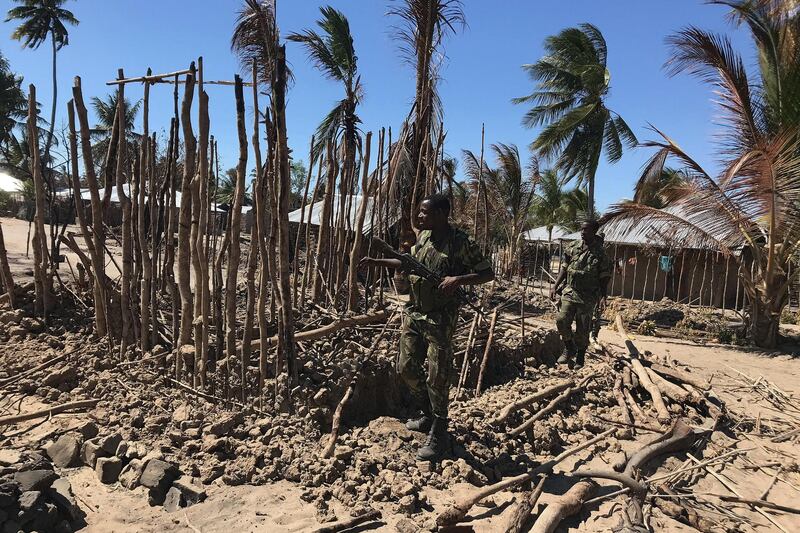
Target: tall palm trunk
(50, 130)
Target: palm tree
(576, 208)
(754, 203)
(106, 109)
(511, 190)
(13, 103)
(548, 207)
(569, 101)
(41, 19)
(658, 185)
(424, 26)
(334, 55)
(477, 173)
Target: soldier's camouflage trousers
(579, 313)
(423, 342)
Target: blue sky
(482, 73)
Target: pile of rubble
(666, 314)
(33, 497)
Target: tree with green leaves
(40, 20)
(299, 173)
(573, 83)
(751, 210)
(658, 186)
(510, 190)
(106, 109)
(12, 101)
(548, 207)
(333, 53)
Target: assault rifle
(412, 266)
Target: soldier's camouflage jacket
(588, 268)
(456, 256)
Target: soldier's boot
(569, 353)
(579, 358)
(425, 420)
(422, 423)
(438, 441)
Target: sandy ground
(20, 256)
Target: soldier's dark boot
(569, 353)
(423, 423)
(438, 441)
(579, 358)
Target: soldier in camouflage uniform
(426, 349)
(586, 269)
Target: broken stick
(567, 504)
(486, 352)
(522, 512)
(531, 399)
(337, 418)
(459, 509)
(54, 410)
(341, 525)
(551, 406)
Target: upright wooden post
(185, 220)
(286, 319)
(40, 251)
(5, 272)
(98, 270)
(127, 237)
(261, 235)
(366, 189)
(234, 249)
(203, 310)
(614, 272)
(147, 265)
(295, 258)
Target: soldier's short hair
(439, 201)
(592, 224)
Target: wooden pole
(40, 252)
(366, 189)
(614, 272)
(234, 250)
(259, 195)
(296, 281)
(646, 276)
(5, 272)
(147, 264)
(96, 237)
(185, 221)
(286, 319)
(127, 237)
(486, 351)
(703, 279)
(202, 283)
(680, 277)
